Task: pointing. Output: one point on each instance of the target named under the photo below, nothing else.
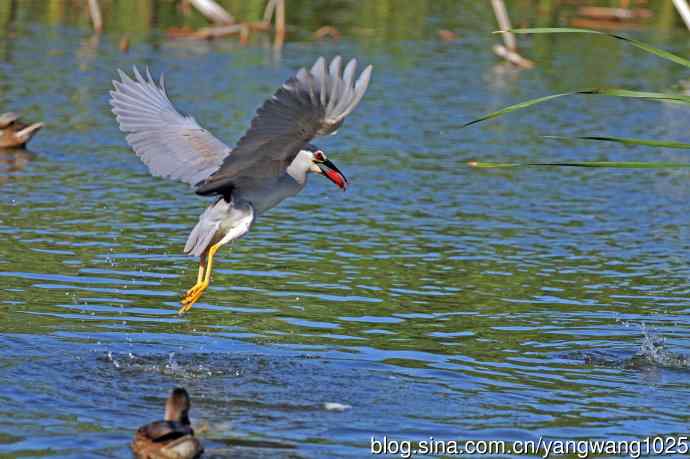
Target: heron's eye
(319, 156)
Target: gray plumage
(268, 164)
(310, 104)
(175, 146)
(217, 220)
(170, 144)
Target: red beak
(333, 174)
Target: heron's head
(320, 164)
(177, 406)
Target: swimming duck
(172, 438)
(14, 133)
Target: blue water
(431, 299)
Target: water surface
(432, 299)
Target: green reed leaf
(612, 92)
(638, 44)
(600, 164)
(625, 141)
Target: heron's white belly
(237, 222)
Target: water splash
(653, 352)
(112, 360)
(195, 366)
(172, 365)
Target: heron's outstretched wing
(310, 104)
(170, 144)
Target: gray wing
(310, 104)
(170, 144)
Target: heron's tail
(199, 239)
(204, 233)
(221, 222)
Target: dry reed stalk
(279, 24)
(509, 51)
(683, 10)
(96, 16)
(213, 11)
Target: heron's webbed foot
(196, 288)
(192, 296)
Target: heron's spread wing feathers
(310, 104)
(170, 144)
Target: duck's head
(177, 406)
(14, 133)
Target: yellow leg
(195, 287)
(202, 281)
(199, 276)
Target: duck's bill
(334, 175)
(26, 133)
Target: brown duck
(14, 133)
(172, 438)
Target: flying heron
(268, 164)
